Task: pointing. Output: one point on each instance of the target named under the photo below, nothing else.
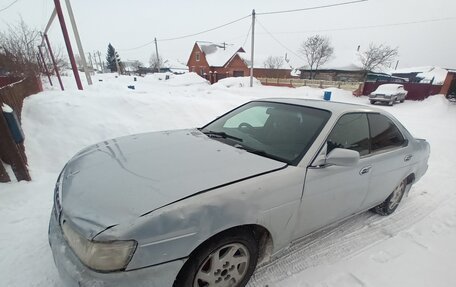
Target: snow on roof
(412, 70)
(174, 64)
(437, 76)
(218, 55)
(344, 60)
(427, 74)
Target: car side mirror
(342, 157)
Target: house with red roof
(217, 61)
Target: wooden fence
(295, 83)
(11, 153)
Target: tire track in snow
(346, 239)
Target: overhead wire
(240, 19)
(188, 35)
(279, 42)
(370, 26)
(247, 37)
(312, 8)
(14, 2)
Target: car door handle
(365, 170)
(408, 157)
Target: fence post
(4, 177)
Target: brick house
(217, 61)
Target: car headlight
(101, 256)
(58, 195)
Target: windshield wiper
(221, 135)
(261, 153)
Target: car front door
(333, 192)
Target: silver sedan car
(202, 207)
(389, 94)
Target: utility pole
(156, 54)
(102, 66)
(100, 62)
(56, 69)
(58, 9)
(44, 65)
(78, 42)
(252, 47)
(95, 60)
(397, 64)
(90, 61)
(117, 62)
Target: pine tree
(111, 59)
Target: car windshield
(279, 131)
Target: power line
(370, 26)
(3, 9)
(312, 8)
(247, 37)
(187, 36)
(280, 43)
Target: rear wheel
(226, 260)
(392, 202)
(372, 102)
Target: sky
(422, 30)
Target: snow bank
(237, 82)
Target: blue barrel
(327, 96)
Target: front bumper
(74, 274)
(381, 98)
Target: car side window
(350, 132)
(384, 133)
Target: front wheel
(392, 202)
(226, 260)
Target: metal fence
(295, 83)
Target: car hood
(121, 179)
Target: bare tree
(19, 46)
(155, 63)
(273, 62)
(318, 50)
(378, 56)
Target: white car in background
(388, 93)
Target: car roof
(332, 106)
(394, 86)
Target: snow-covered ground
(416, 246)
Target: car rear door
(391, 157)
(334, 192)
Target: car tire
(402, 100)
(229, 256)
(390, 103)
(372, 102)
(392, 202)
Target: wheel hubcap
(397, 195)
(225, 267)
